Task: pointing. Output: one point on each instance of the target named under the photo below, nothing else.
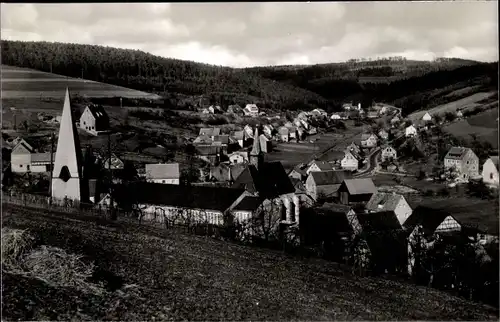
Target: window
(467, 162)
(491, 175)
(20, 166)
(163, 181)
(28, 167)
(83, 122)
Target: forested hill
(287, 87)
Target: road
(371, 164)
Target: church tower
(67, 172)
(256, 157)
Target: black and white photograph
(250, 161)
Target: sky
(267, 33)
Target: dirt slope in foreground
(185, 277)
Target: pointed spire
(67, 157)
(256, 143)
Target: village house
(427, 117)
(265, 144)
(464, 161)
(211, 154)
(312, 130)
(459, 114)
(203, 140)
(368, 140)
(238, 157)
(325, 184)
(410, 131)
(165, 173)
(356, 190)
(350, 161)
(284, 134)
(388, 153)
(299, 172)
(178, 203)
(316, 165)
(318, 112)
(383, 135)
(24, 158)
(292, 133)
(267, 130)
(234, 109)
(94, 119)
(490, 171)
(383, 110)
(244, 209)
(391, 202)
(224, 172)
(251, 110)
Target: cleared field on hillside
(182, 277)
(484, 125)
(467, 102)
(27, 83)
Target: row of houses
(251, 110)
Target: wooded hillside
(409, 84)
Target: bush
(449, 116)
(218, 120)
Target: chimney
(359, 106)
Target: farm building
(335, 116)
(459, 114)
(427, 117)
(94, 119)
(23, 158)
(234, 109)
(356, 190)
(464, 161)
(490, 171)
(251, 110)
(211, 154)
(284, 134)
(325, 183)
(316, 165)
(383, 135)
(410, 131)
(350, 161)
(225, 172)
(389, 153)
(368, 140)
(318, 112)
(238, 157)
(165, 173)
(390, 202)
(178, 203)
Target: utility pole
(82, 72)
(110, 175)
(51, 165)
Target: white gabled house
(164, 173)
(350, 161)
(490, 171)
(251, 110)
(427, 117)
(410, 131)
(94, 119)
(388, 154)
(369, 140)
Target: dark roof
(248, 203)
(208, 150)
(322, 178)
(334, 217)
(299, 186)
(360, 186)
(331, 208)
(194, 197)
(322, 165)
(379, 221)
(494, 159)
(269, 181)
(428, 218)
(98, 112)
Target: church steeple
(256, 157)
(67, 171)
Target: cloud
(248, 34)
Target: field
(467, 102)
(290, 154)
(484, 125)
(27, 83)
(159, 274)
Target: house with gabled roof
(284, 133)
(244, 209)
(410, 131)
(388, 153)
(94, 119)
(358, 190)
(238, 157)
(209, 132)
(164, 173)
(490, 172)
(368, 140)
(24, 158)
(350, 161)
(316, 165)
(383, 135)
(427, 117)
(395, 120)
(325, 184)
(464, 161)
(251, 110)
(389, 202)
(299, 172)
(353, 147)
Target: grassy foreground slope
(177, 276)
